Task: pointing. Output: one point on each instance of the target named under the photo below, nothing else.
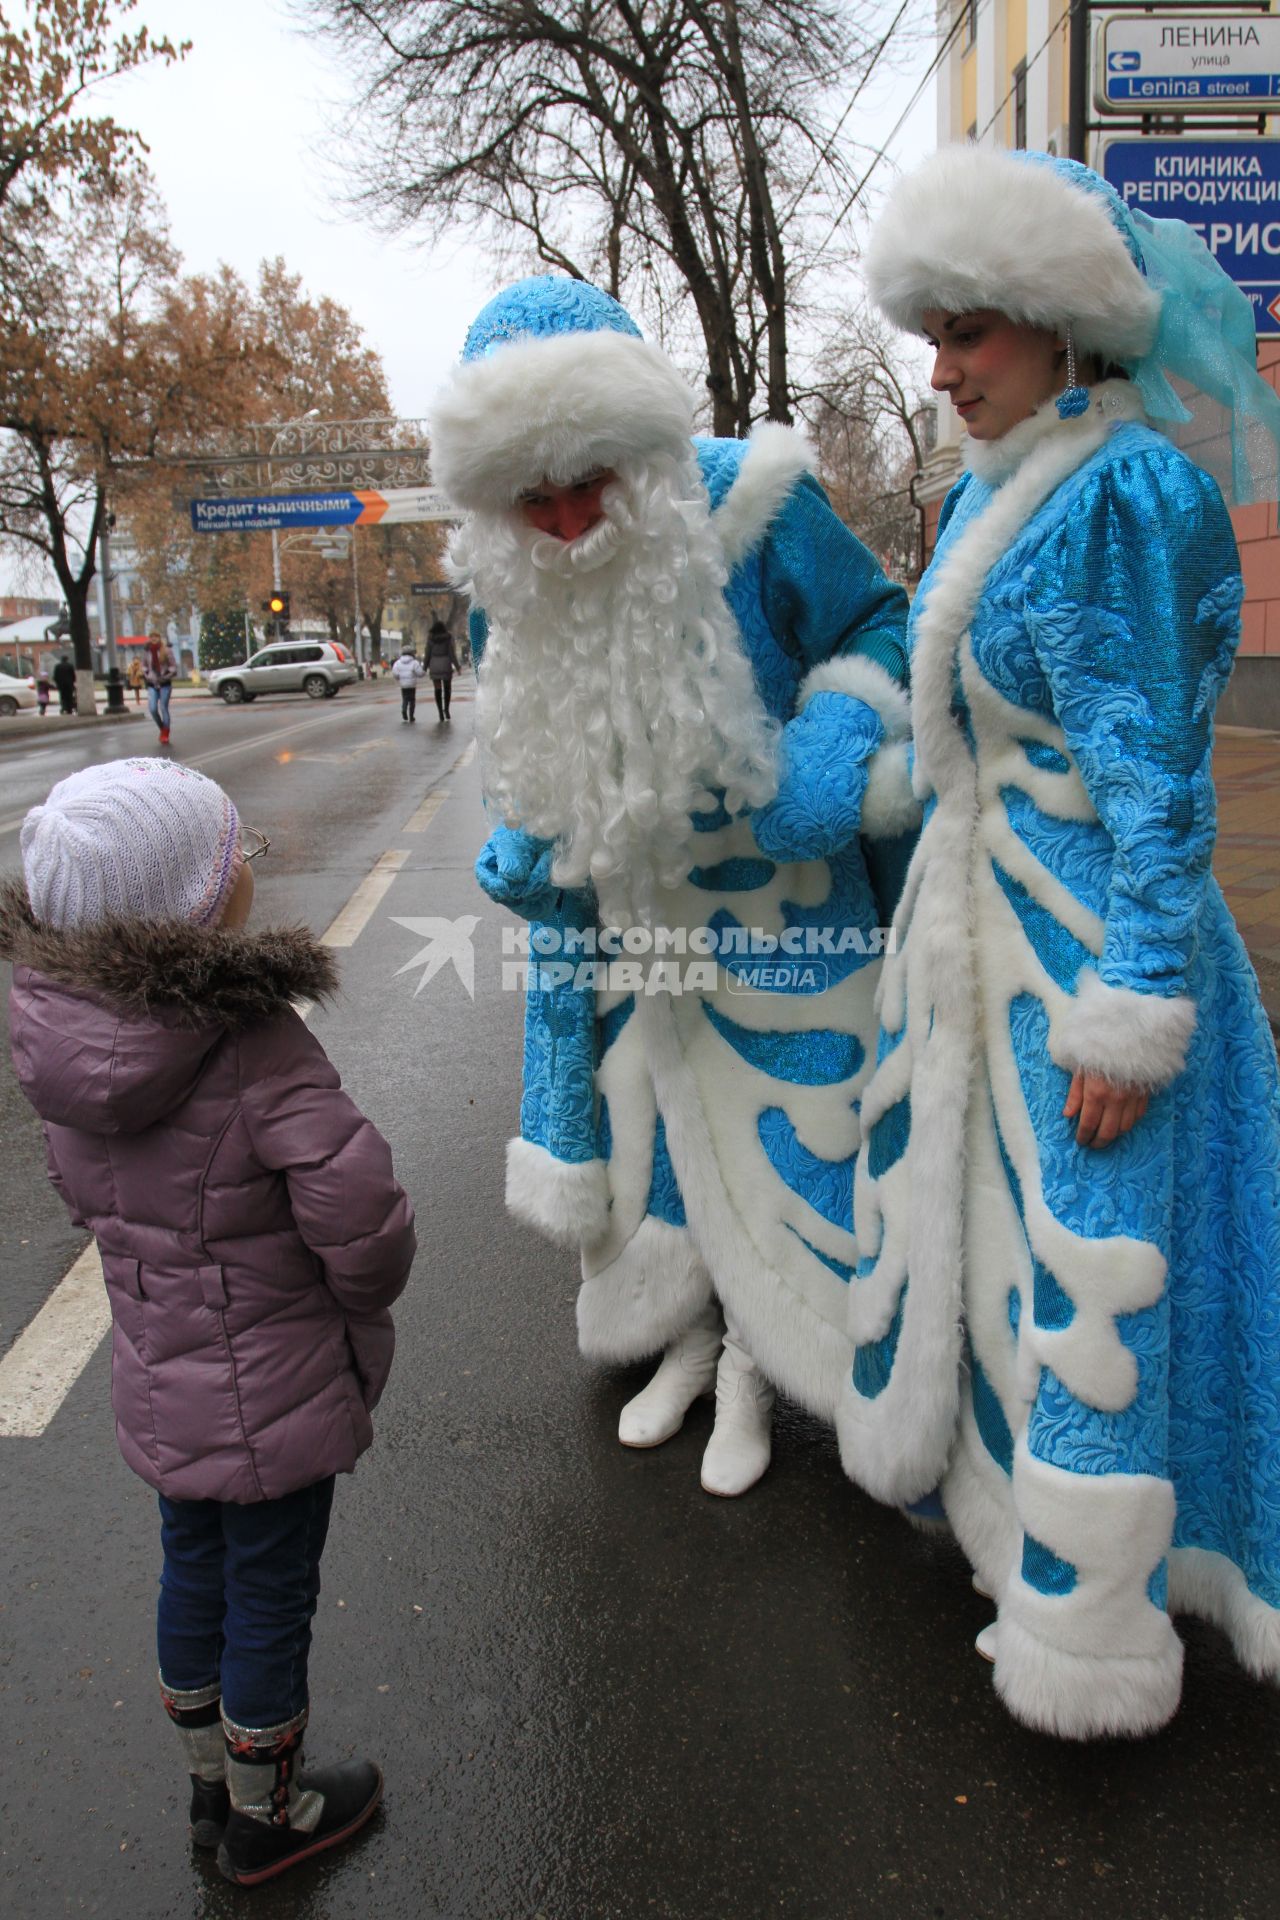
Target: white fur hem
(889, 805)
(569, 1202)
(1081, 1696)
(1132, 1039)
(1213, 1588)
(865, 680)
(644, 1298)
(775, 459)
(554, 409)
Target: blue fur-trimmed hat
(555, 382)
(1043, 240)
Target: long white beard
(614, 694)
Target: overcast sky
(243, 150)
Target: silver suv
(290, 666)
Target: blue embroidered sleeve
(1134, 615)
(477, 633)
(824, 593)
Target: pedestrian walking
(42, 692)
(442, 664)
(1067, 1308)
(64, 679)
(408, 671)
(253, 1237)
(159, 671)
(137, 679)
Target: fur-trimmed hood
(184, 974)
(112, 1023)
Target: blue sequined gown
(1080, 1349)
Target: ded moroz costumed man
(689, 706)
(1067, 1305)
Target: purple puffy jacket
(252, 1232)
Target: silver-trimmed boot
(196, 1715)
(281, 1815)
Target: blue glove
(825, 756)
(515, 870)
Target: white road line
(48, 1357)
(365, 901)
(467, 755)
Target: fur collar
(169, 967)
(1110, 401)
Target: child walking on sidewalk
(253, 1237)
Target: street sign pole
(1078, 80)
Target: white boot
(687, 1369)
(739, 1449)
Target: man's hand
(824, 758)
(1105, 1110)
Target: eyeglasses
(254, 843)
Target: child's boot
(197, 1719)
(280, 1815)
(739, 1449)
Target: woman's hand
(1106, 1110)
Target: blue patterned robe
(1080, 1348)
(703, 1142)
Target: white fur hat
(1042, 240)
(555, 381)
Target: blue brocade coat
(1079, 1348)
(702, 1142)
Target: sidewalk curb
(30, 726)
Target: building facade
(1003, 82)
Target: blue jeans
(158, 704)
(237, 1595)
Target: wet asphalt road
(597, 1694)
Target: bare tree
(872, 426)
(676, 149)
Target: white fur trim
(889, 805)
(807, 1356)
(1213, 1588)
(1079, 1696)
(1101, 1658)
(865, 680)
(1110, 401)
(1132, 1039)
(552, 409)
(775, 459)
(569, 1202)
(640, 1301)
(974, 227)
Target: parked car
(15, 694)
(290, 666)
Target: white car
(287, 666)
(15, 694)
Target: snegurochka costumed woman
(1067, 1310)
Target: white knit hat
(135, 840)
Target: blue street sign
(1228, 190)
(282, 510)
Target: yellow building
(1003, 82)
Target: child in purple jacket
(253, 1237)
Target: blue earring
(1075, 400)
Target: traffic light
(278, 608)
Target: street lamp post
(310, 414)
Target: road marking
(465, 758)
(11, 826)
(365, 901)
(427, 811)
(48, 1357)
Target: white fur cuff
(1132, 1039)
(865, 680)
(889, 805)
(1084, 1696)
(567, 1201)
(644, 1298)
